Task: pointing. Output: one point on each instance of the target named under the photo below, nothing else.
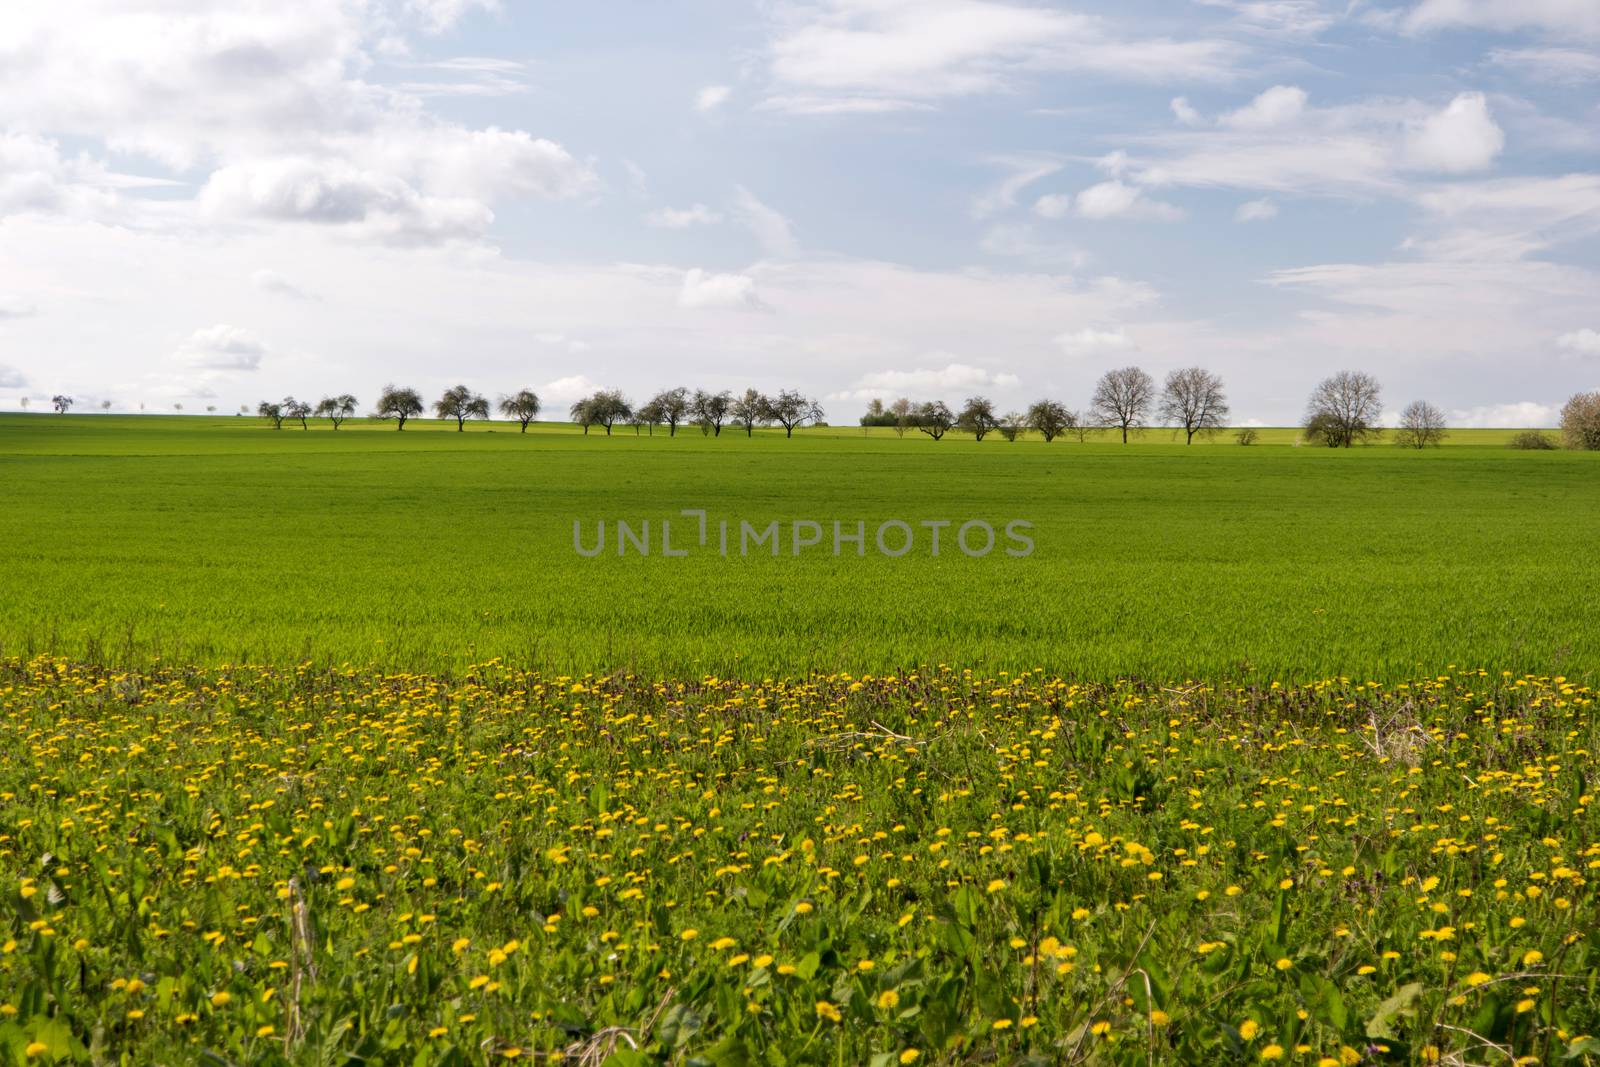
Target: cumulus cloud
(1185, 112)
(702, 289)
(669, 218)
(1278, 106)
(1053, 205)
(11, 378)
(1463, 137)
(1090, 341)
(1256, 211)
(222, 347)
(217, 85)
(1584, 342)
(927, 382)
(1118, 200)
(711, 97)
(336, 194)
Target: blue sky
(208, 203)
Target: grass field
(212, 540)
(330, 748)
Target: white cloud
(712, 97)
(222, 347)
(441, 15)
(14, 308)
(370, 204)
(1256, 211)
(1283, 18)
(1053, 206)
(219, 85)
(271, 281)
(1118, 200)
(1278, 106)
(769, 226)
(1559, 66)
(702, 289)
(1280, 143)
(1090, 341)
(563, 391)
(926, 382)
(1463, 137)
(1516, 415)
(1185, 112)
(910, 50)
(669, 218)
(11, 378)
(1557, 17)
(1584, 342)
(1022, 241)
(493, 163)
(1021, 172)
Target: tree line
(1343, 410)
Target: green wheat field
(216, 540)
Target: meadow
(329, 747)
(253, 865)
(218, 540)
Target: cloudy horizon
(210, 204)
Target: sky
(209, 203)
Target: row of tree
(1343, 410)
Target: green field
(330, 748)
(214, 540)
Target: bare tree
(671, 406)
(105, 405)
(62, 403)
(647, 414)
(1247, 435)
(1194, 401)
(1580, 422)
(791, 410)
(297, 409)
(750, 409)
(604, 408)
(977, 417)
(336, 408)
(1344, 409)
(1123, 398)
(523, 405)
(461, 404)
(274, 412)
(710, 410)
(1421, 425)
(399, 405)
(1013, 425)
(901, 410)
(1080, 425)
(933, 418)
(1048, 419)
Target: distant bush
(1580, 422)
(1247, 436)
(1533, 441)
